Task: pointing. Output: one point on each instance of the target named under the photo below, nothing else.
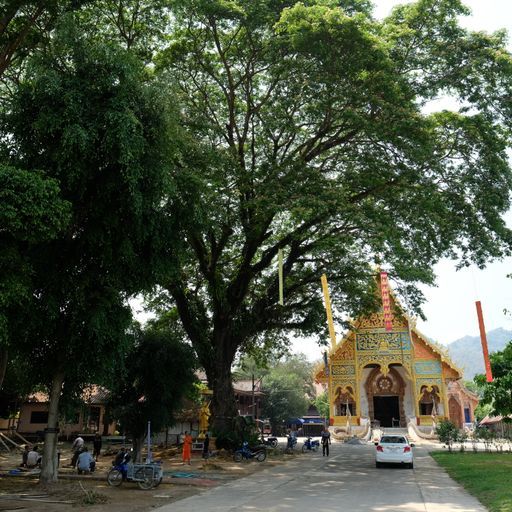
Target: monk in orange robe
(187, 448)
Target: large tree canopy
(88, 118)
(309, 132)
(32, 211)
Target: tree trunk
(49, 467)
(224, 408)
(4, 354)
(137, 444)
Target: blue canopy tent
(297, 422)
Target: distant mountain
(466, 352)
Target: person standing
(24, 456)
(326, 441)
(187, 448)
(96, 446)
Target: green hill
(466, 352)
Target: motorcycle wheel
(115, 477)
(315, 447)
(237, 457)
(304, 449)
(273, 443)
(261, 456)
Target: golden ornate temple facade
(392, 378)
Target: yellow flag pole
(281, 278)
(327, 299)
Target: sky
(450, 307)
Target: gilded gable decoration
(342, 369)
(345, 351)
(383, 341)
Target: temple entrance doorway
(385, 392)
(386, 409)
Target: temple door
(455, 411)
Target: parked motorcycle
(270, 441)
(310, 444)
(260, 454)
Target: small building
(500, 425)
(91, 417)
(248, 396)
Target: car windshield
(393, 440)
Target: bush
(243, 429)
(448, 433)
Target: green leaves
(32, 209)
(286, 387)
(158, 375)
(103, 138)
(497, 394)
(308, 133)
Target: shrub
(448, 433)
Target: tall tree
(288, 390)
(308, 135)
(105, 134)
(32, 211)
(158, 375)
(497, 395)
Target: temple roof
(406, 321)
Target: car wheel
(273, 443)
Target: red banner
(386, 304)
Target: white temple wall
(409, 408)
(362, 392)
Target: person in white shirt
(86, 463)
(33, 458)
(76, 448)
(77, 443)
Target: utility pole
(254, 404)
(254, 411)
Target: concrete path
(347, 480)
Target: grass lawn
(488, 476)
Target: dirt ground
(93, 494)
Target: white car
(394, 449)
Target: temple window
(427, 401)
(344, 399)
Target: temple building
(392, 377)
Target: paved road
(347, 480)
